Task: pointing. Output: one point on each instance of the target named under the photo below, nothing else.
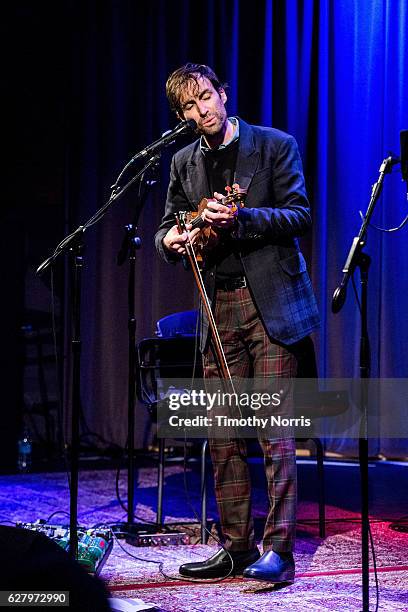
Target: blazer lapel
(196, 185)
(248, 157)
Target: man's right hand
(175, 242)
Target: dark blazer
(276, 212)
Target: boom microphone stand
(358, 259)
(73, 242)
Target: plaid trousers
(250, 353)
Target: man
(261, 295)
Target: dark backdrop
(85, 81)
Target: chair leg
(320, 479)
(160, 481)
(204, 534)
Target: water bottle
(25, 448)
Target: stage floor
(328, 571)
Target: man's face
(203, 103)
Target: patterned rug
(328, 571)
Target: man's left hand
(218, 215)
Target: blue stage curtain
(332, 73)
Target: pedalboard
(94, 544)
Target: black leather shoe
(219, 565)
(272, 567)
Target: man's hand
(175, 242)
(217, 214)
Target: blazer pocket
(295, 264)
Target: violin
(209, 236)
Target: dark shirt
(220, 169)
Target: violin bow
(225, 371)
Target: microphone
(166, 139)
(404, 154)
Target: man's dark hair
(184, 75)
